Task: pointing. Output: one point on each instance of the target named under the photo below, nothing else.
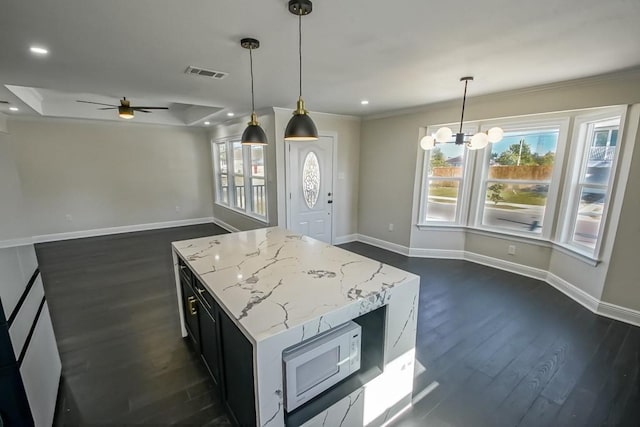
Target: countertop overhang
(271, 279)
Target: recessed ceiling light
(14, 108)
(364, 102)
(207, 123)
(230, 114)
(38, 50)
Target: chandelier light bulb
(444, 134)
(478, 141)
(427, 142)
(495, 134)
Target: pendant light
(475, 142)
(253, 134)
(300, 127)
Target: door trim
(334, 177)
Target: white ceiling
(396, 54)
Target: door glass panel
(316, 370)
(311, 179)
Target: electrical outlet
(178, 208)
(68, 217)
(511, 250)
(390, 227)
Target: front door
(310, 187)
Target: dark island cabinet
(224, 349)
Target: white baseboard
(573, 292)
(345, 239)
(230, 228)
(622, 314)
(393, 247)
(588, 301)
(117, 230)
(436, 253)
(513, 267)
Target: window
(518, 179)
(592, 181)
(443, 185)
(247, 194)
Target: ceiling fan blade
(97, 103)
(150, 108)
(108, 108)
(142, 111)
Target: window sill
(261, 219)
(441, 227)
(576, 253)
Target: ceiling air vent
(205, 73)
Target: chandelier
(473, 142)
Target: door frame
(334, 178)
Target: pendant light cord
(253, 107)
(300, 49)
(464, 100)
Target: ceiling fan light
(478, 141)
(495, 134)
(125, 112)
(427, 142)
(444, 134)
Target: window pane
(446, 160)
(237, 158)
(257, 161)
(526, 156)
(602, 152)
(222, 158)
(224, 189)
(517, 207)
(442, 201)
(589, 217)
(258, 196)
(239, 191)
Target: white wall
(389, 189)
(13, 223)
(109, 175)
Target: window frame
(559, 122)
(231, 176)
(580, 147)
(464, 186)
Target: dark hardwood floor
(494, 348)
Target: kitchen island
(245, 297)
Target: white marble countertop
(271, 280)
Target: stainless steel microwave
(318, 363)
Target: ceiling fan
(125, 109)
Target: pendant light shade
(300, 127)
(253, 134)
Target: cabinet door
(209, 341)
(237, 365)
(190, 306)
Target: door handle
(202, 291)
(192, 305)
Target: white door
(310, 187)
